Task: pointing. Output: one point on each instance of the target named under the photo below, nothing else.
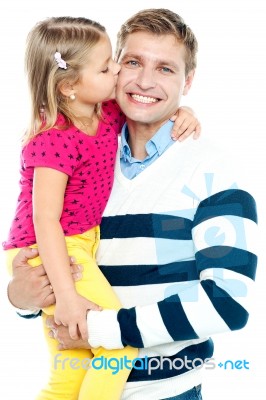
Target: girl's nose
(116, 68)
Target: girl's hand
(61, 334)
(71, 310)
(185, 124)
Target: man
(176, 233)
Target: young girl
(67, 165)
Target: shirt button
(142, 166)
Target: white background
(228, 95)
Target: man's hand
(61, 334)
(30, 288)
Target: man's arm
(224, 235)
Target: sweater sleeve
(224, 234)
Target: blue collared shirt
(155, 147)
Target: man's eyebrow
(168, 63)
(158, 61)
(131, 55)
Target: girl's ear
(66, 88)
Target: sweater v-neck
(166, 159)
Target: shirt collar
(157, 144)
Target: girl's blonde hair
(73, 38)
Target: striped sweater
(178, 247)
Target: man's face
(152, 78)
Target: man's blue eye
(166, 69)
(132, 62)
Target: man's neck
(138, 136)
(137, 146)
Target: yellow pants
(70, 377)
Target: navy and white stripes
(180, 254)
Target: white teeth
(144, 99)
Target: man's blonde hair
(160, 21)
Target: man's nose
(146, 78)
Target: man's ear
(188, 83)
